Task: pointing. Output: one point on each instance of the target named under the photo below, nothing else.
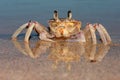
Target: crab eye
(69, 14)
(55, 15)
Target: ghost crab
(67, 28)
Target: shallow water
(40, 61)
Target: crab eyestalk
(55, 15)
(69, 15)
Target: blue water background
(14, 13)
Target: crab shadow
(64, 52)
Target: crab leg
(30, 28)
(108, 38)
(103, 38)
(17, 32)
(92, 31)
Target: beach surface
(65, 61)
(41, 60)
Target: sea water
(14, 13)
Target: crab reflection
(35, 51)
(95, 53)
(64, 52)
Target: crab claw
(44, 36)
(79, 37)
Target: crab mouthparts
(61, 31)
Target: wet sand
(44, 62)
